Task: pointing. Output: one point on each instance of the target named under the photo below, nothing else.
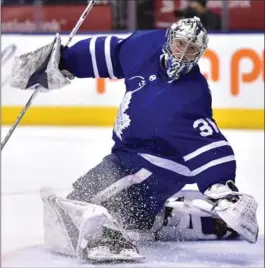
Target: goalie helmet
(186, 41)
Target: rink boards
(233, 66)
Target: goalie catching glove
(40, 69)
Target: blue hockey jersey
(169, 124)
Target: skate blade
(110, 258)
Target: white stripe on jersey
(108, 57)
(213, 163)
(205, 148)
(181, 169)
(167, 164)
(92, 48)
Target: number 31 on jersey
(206, 126)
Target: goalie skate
(113, 248)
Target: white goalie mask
(186, 41)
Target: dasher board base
(105, 116)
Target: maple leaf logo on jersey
(123, 120)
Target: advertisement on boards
(54, 18)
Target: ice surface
(158, 254)
(38, 156)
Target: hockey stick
(72, 34)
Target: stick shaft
(19, 118)
(80, 21)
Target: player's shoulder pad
(139, 48)
(194, 86)
(202, 81)
(196, 78)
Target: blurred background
(60, 15)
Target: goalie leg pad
(82, 230)
(183, 221)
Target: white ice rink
(35, 157)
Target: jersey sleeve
(96, 57)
